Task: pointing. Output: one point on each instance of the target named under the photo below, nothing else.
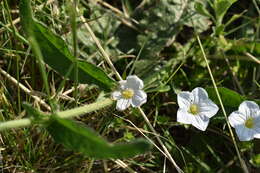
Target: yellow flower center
(194, 109)
(127, 93)
(249, 123)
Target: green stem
(64, 114)
(15, 123)
(73, 15)
(85, 109)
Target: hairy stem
(63, 114)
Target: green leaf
(26, 16)
(82, 139)
(159, 23)
(198, 21)
(160, 88)
(103, 24)
(221, 7)
(255, 160)
(242, 46)
(201, 9)
(229, 97)
(56, 53)
(32, 111)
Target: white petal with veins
(246, 121)
(184, 99)
(236, 118)
(200, 122)
(116, 95)
(184, 117)
(125, 98)
(195, 108)
(208, 108)
(139, 98)
(122, 104)
(199, 94)
(134, 82)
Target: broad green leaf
(201, 9)
(229, 97)
(196, 20)
(82, 139)
(221, 7)
(56, 53)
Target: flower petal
(199, 94)
(248, 108)
(116, 95)
(184, 100)
(257, 127)
(208, 108)
(184, 117)
(122, 84)
(236, 119)
(244, 134)
(122, 104)
(257, 133)
(134, 82)
(139, 98)
(200, 122)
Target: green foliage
(229, 97)
(255, 160)
(36, 115)
(241, 46)
(201, 164)
(159, 24)
(201, 9)
(221, 7)
(76, 137)
(57, 55)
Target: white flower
(195, 108)
(130, 93)
(246, 121)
